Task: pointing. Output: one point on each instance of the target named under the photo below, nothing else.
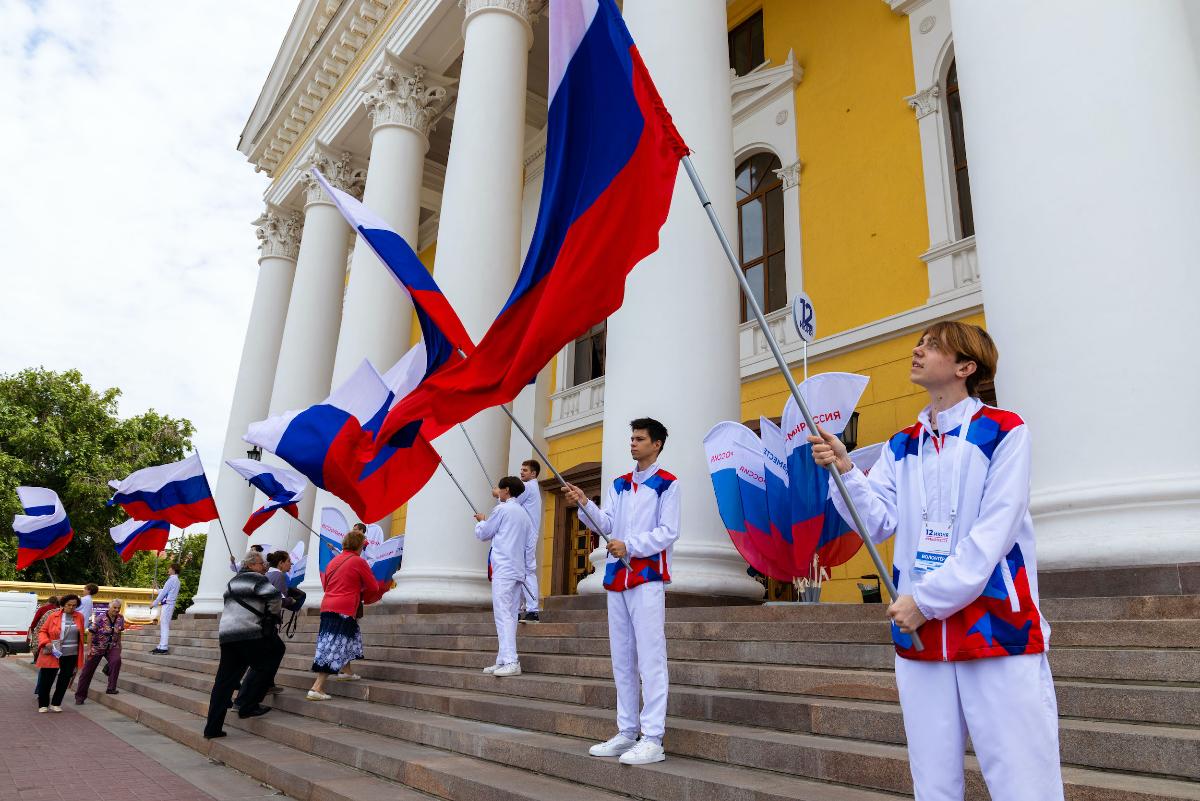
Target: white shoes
(512, 669)
(644, 753)
(614, 747)
(313, 695)
(491, 668)
(346, 677)
(54, 708)
(43, 709)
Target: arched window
(958, 143)
(760, 230)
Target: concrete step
(380, 739)
(446, 718)
(304, 776)
(808, 710)
(1161, 750)
(589, 657)
(1166, 634)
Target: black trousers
(64, 672)
(261, 656)
(267, 679)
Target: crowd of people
(66, 635)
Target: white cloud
(126, 249)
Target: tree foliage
(58, 432)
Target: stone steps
(762, 661)
(708, 760)
(1168, 751)
(394, 742)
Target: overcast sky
(126, 249)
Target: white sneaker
(645, 752)
(491, 668)
(313, 695)
(511, 669)
(346, 677)
(43, 709)
(614, 747)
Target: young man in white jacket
(507, 527)
(640, 517)
(165, 600)
(531, 501)
(953, 488)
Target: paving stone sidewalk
(92, 752)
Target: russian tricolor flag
(44, 529)
(612, 155)
(284, 489)
(177, 493)
(322, 441)
(140, 535)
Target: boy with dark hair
(531, 501)
(86, 602)
(640, 517)
(508, 530)
(953, 488)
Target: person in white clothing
(507, 527)
(165, 601)
(86, 602)
(640, 517)
(953, 489)
(531, 502)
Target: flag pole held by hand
(752, 304)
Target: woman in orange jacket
(60, 642)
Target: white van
(16, 613)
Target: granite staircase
(767, 703)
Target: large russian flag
(284, 489)
(44, 529)
(177, 493)
(139, 535)
(612, 154)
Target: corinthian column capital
(398, 98)
(338, 170)
(279, 233)
(527, 11)
(924, 102)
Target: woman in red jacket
(60, 642)
(348, 581)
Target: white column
(279, 238)
(310, 336)
(377, 316)
(1085, 178)
(683, 293)
(477, 259)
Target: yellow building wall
(862, 198)
(565, 452)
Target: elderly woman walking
(349, 584)
(60, 642)
(106, 629)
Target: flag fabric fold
(284, 489)
(139, 535)
(816, 525)
(735, 465)
(177, 493)
(44, 529)
(612, 155)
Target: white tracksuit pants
(1008, 707)
(506, 599)
(529, 595)
(638, 644)
(164, 624)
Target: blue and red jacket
(641, 509)
(983, 601)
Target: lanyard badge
(936, 540)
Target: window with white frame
(958, 154)
(761, 230)
(588, 355)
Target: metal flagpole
(225, 536)
(486, 477)
(546, 460)
(752, 303)
(53, 584)
(460, 487)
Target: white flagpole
(752, 303)
(463, 429)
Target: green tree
(58, 432)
